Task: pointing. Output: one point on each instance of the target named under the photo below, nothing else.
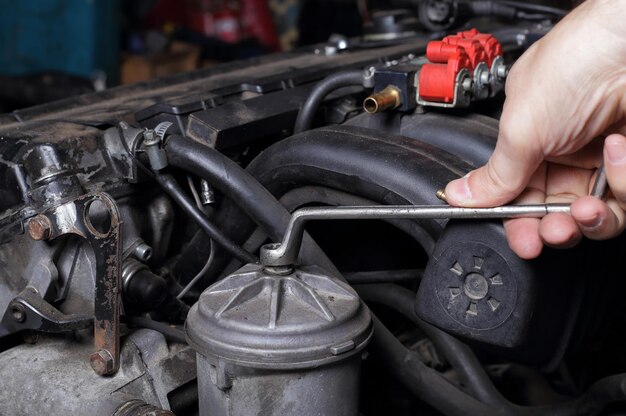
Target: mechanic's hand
(564, 95)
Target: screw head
(18, 312)
(39, 228)
(101, 362)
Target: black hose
(384, 276)
(602, 393)
(321, 90)
(462, 358)
(243, 190)
(171, 332)
(171, 187)
(426, 383)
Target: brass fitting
(387, 99)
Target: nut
(102, 362)
(39, 228)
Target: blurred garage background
(51, 49)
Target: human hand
(564, 95)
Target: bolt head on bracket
(102, 362)
(40, 228)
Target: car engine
(267, 237)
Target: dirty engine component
(154, 258)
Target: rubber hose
(171, 187)
(423, 381)
(426, 383)
(243, 190)
(462, 358)
(305, 118)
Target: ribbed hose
(320, 91)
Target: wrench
(286, 252)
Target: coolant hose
(305, 118)
(241, 188)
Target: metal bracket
(74, 218)
(286, 252)
(29, 310)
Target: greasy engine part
(228, 137)
(267, 329)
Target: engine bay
(268, 237)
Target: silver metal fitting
(207, 195)
(142, 251)
(152, 144)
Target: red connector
(437, 80)
(464, 55)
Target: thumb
(615, 165)
(504, 177)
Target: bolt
(39, 228)
(149, 138)
(485, 78)
(102, 362)
(467, 84)
(143, 251)
(502, 71)
(18, 312)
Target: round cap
(265, 318)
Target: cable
(209, 261)
(200, 274)
(171, 187)
(320, 91)
(194, 192)
(172, 332)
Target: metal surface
(74, 218)
(601, 184)
(387, 99)
(279, 319)
(140, 408)
(286, 252)
(267, 338)
(52, 377)
(29, 311)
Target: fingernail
(591, 223)
(615, 151)
(459, 191)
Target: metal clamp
(286, 252)
(104, 237)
